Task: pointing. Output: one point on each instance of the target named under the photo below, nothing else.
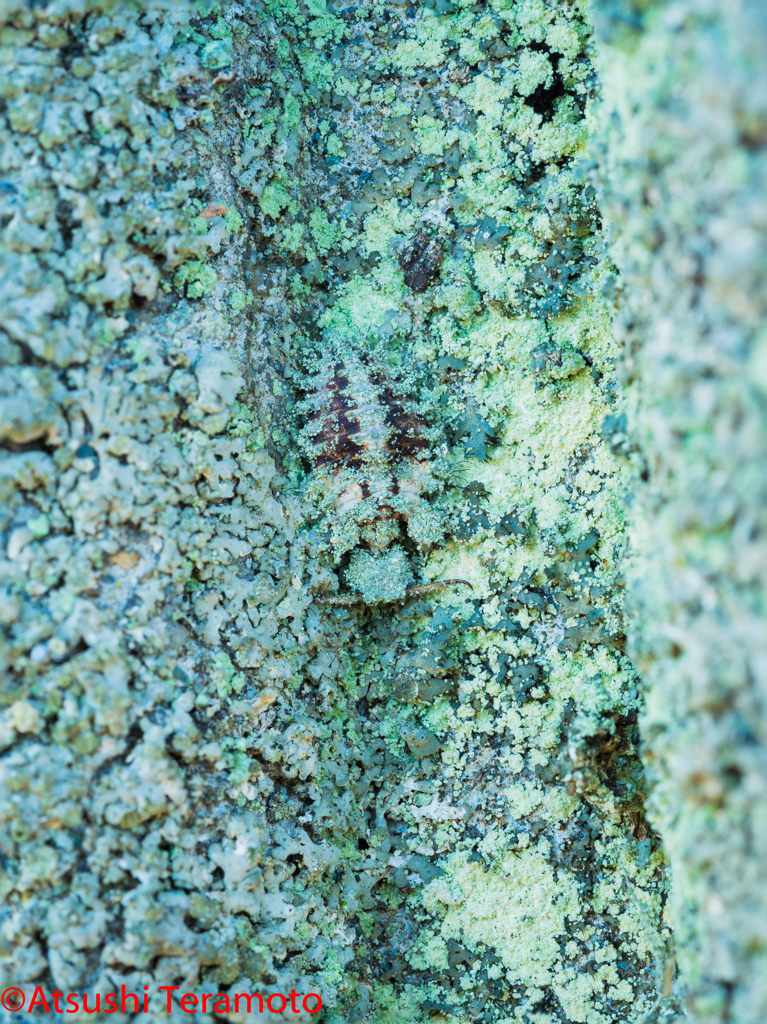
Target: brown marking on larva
(406, 439)
(417, 590)
(338, 420)
(420, 259)
(342, 440)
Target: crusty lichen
(427, 807)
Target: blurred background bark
(684, 134)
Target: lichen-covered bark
(685, 136)
(417, 808)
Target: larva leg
(339, 600)
(426, 588)
(345, 600)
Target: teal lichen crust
(380, 577)
(685, 142)
(415, 809)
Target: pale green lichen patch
(494, 910)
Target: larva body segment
(366, 437)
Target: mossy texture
(423, 805)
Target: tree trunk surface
(382, 404)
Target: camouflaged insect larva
(371, 453)
(367, 438)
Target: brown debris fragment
(420, 259)
(213, 210)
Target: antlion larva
(372, 455)
(365, 436)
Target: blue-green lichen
(210, 777)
